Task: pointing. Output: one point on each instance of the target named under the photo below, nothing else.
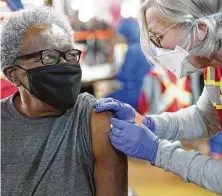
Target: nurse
(182, 36)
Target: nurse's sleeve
(191, 166)
(194, 122)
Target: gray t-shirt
(47, 156)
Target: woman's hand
(134, 140)
(122, 111)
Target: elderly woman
(182, 36)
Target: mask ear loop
(185, 37)
(26, 75)
(193, 25)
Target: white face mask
(174, 60)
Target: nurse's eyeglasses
(156, 39)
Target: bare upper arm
(110, 167)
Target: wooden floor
(147, 180)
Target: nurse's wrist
(154, 152)
(149, 123)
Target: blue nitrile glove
(134, 140)
(216, 143)
(149, 123)
(121, 110)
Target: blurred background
(113, 65)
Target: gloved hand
(149, 123)
(216, 145)
(121, 110)
(134, 140)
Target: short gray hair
(15, 26)
(187, 11)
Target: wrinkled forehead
(43, 37)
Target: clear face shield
(176, 60)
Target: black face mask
(58, 85)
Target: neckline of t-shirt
(25, 119)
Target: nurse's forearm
(191, 166)
(182, 125)
(194, 122)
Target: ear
(202, 31)
(11, 74)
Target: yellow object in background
(48, 2)
(119, 53)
